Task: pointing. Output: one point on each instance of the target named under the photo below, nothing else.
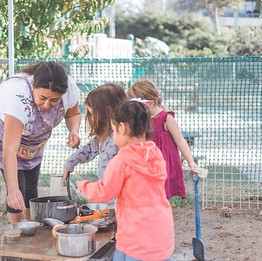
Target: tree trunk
(215, 21)
(258, 7)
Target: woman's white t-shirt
(10, 104)
(16, 99)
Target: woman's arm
(11, 142)
(73, 119)
(173, 127)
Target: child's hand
(81, 185)
(192, 166)
(65, 174)
(201, 172)
(78, 184)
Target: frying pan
(197, 242)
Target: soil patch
(233, 237)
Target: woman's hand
(15, 199)
(73, 140)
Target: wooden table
(42, 246)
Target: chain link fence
(218, 107)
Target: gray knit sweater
(106, 151)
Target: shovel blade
(198, 249)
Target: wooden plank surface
(42, 246)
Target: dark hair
(103, 100)
(136, 115)
(49, 75)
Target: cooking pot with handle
(76, 240)
(58, 207)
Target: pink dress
(175, 183)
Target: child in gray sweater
(99, 105)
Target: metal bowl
(28, 228)
(96, 206)
(102, 223)
(52, 221)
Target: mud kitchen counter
(42, 246)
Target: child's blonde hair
(145, 90)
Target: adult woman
(32, 103)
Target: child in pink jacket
(136, 176)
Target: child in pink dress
(167, 136)
(136, 176)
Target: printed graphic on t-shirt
(29, 152)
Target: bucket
(57, 186)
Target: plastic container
(12, 235)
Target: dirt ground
(234, 238)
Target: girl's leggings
(120, 256)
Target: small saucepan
(76, 240)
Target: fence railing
(218, 98)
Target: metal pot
(58, 207)
(76, 240)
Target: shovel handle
(197, 207)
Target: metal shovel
(198, 244)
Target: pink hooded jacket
(136, 176)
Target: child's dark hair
(103, 100)
(136, 115)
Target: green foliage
(42, 27)
(248, 41)
(150, 47)
(186, 202)
(81, 200)
(186, 34)
(146, 24)
(199, 36)
(181, 51)
(209, 5)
